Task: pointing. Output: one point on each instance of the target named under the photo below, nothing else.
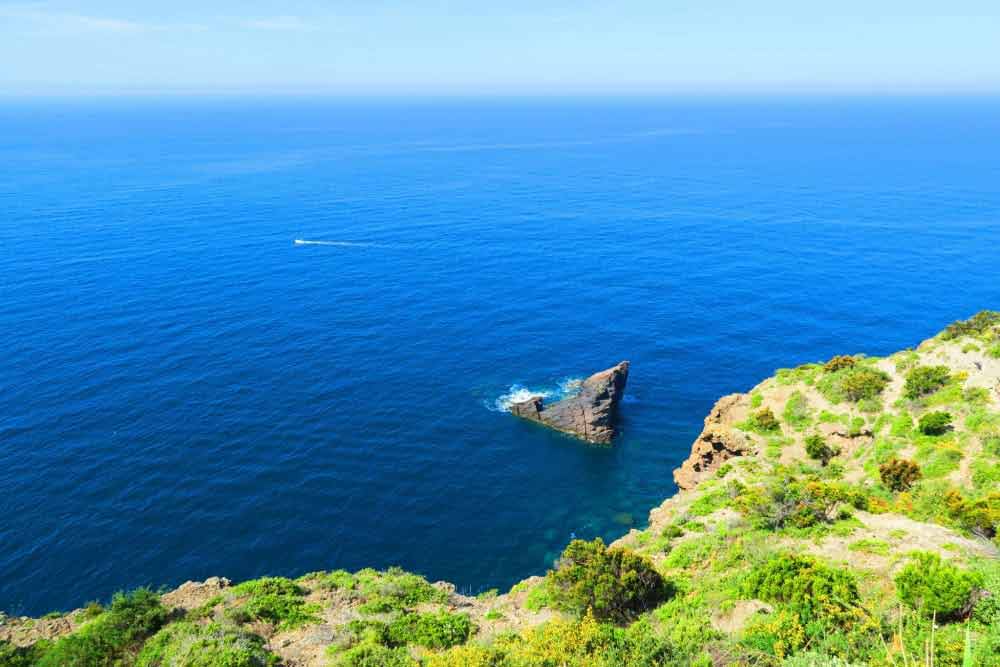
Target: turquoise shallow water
(185, 392)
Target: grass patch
(797, 413)
(188, 644)
(274, 600)
(870, 546)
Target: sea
(247, 336)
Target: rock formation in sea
(591, 414)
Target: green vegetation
(111, 638)
(979, 325)
(763, 421)
(789, 503)
(797, 413)
(614, 584)
(192, 645)
(817, 448)
(768, 562)
(933, 587)
(853, 383)
(934, 423)
(870, 546)
(806, 585)
(274, 600)
(440, 629)
(924, 380)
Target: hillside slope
(838, 513)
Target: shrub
(275, 600)
(932, 586)
(853, 383)
(977, 325)
(924, 380)
(337, 580)
(672, 531)
(980, 515)
(22, 656)
(839, 362)
(934, 423)
(863, 383)
(797, 413)
(129, 620)
(616, 584)
(817, 448)
(813, 659)
(194, 645)
(375, 655)
(810, 588)
(569, 643)
(764, 421)
(395, 589)
(776, 634)
(436, 630)
(795, 504)
(899, 474)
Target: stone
(591, 414)
(717, 443)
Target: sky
(540, 47)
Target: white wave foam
(342, 244)
(518, 393)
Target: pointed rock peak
(591, 415)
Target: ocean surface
(186, 392)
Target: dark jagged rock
(591, 414)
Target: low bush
(853, 383)
(810, 588)
(839, 362)
(796, 504)
(195, 645)
(274, 600)
(571, 643)
(934, 423)
(977, 325)
(113, 636)
(818, 448)
(797, 413)
(813, 659)
(924, 380)
(763, 421)
(899, 474)
(863, 383)
(977, 515)
(432, 630)
(374, 655)
(22, 656)
(395, 590)
(616, 584)
(934, 587)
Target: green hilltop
(838, 514)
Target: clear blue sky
(507, 47)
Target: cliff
(836, 514)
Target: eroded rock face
(590, 415)
(717, 443)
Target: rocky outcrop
(718, 441)
(591, 414)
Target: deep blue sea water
(185, 392)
